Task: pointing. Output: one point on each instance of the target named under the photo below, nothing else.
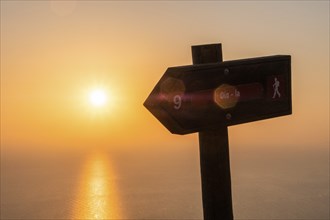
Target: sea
(160, 183)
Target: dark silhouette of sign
(201, 97)
(210, 95)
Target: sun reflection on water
(97, 196)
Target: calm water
(157, 184)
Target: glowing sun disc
(98, 97)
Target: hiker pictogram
(276, 86)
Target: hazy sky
(53, 53)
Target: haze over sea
(160, 184)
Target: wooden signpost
(209, 96)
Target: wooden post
(214, 154)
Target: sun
(98, 97)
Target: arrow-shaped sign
(201, 97)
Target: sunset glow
(97, 195)
(76, 141)
(98, 97)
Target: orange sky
(53, 53)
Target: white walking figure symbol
(275, 86)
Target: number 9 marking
(177, 102)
